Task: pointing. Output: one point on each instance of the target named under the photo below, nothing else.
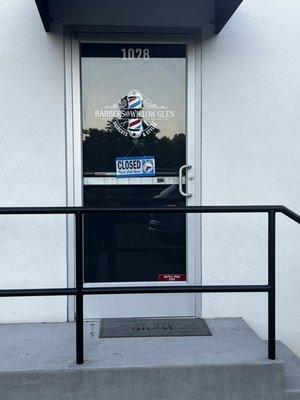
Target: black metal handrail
(80, 291)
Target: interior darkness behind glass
(133, 247)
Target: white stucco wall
(32, 162)
(251, 155)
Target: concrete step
(292, 395)
(37, 362)
(292, 371)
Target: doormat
(152, 327)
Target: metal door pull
(180, 187)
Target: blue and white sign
(135, 166)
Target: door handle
(184, 194)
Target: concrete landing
(38, 362)
(292, 371)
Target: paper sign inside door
(135, 166)
(172, 277)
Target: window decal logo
(135, 115)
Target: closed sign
(135, 166)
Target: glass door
(135, 139)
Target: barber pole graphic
(135, 102)
(135, 127)
(133, 108)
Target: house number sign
(136, 53)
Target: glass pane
(134, 105)
(115, 79)
(133, 247)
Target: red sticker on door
(172, 277)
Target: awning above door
(224, 9)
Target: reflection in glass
(107, 79)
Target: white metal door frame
(74, 143)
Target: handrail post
(272, 284)
(79, 286)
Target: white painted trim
(142, 283)
(77, 123)
(136, 37)
(198, 166)
(194, 158)
(73, 150)
(69, 172)
(163, 180)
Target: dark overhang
(43, 7)
(224, 9)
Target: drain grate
(152, 327)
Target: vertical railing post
(79, 286)
(272, 284)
